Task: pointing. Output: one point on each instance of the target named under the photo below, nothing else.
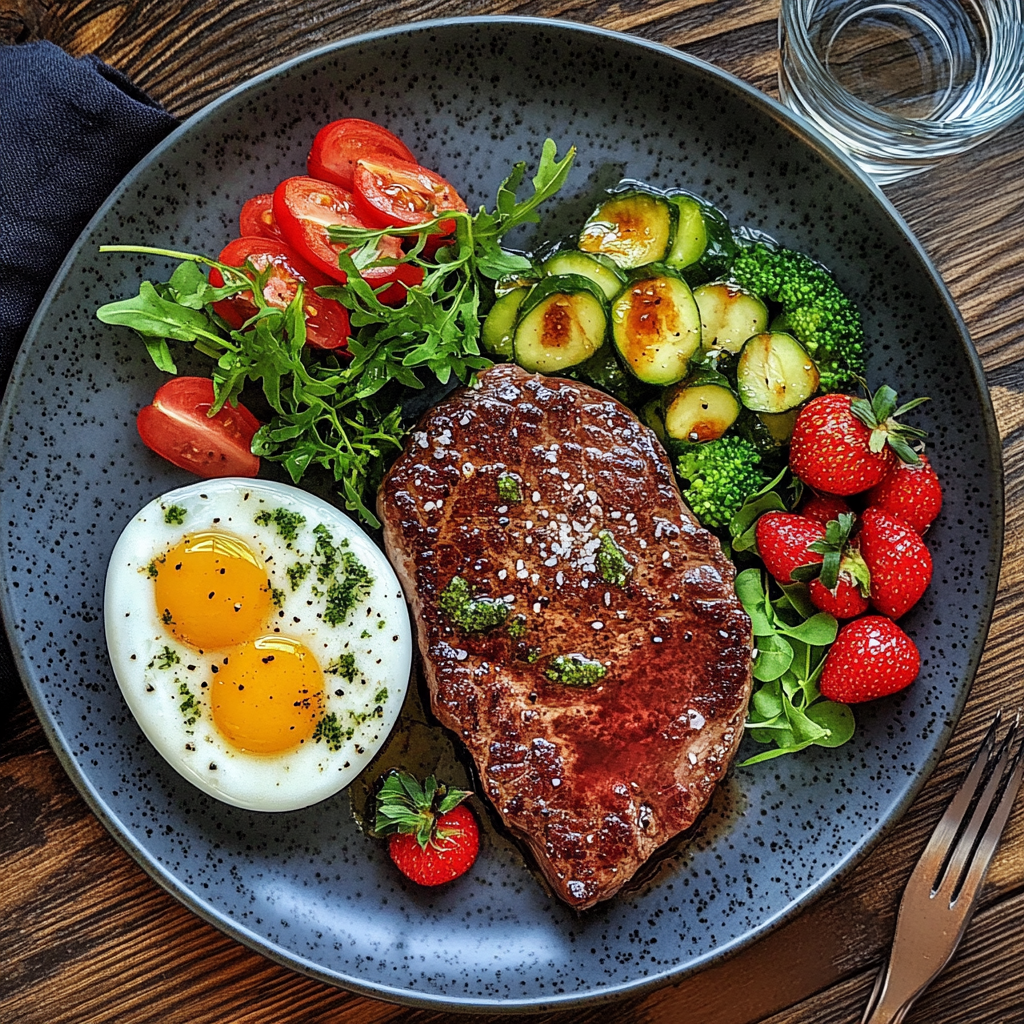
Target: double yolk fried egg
(260, 639)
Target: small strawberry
(795, 548)
(784, 542)
(911, 493)
(823, 507)
(900, 565)
(433, 837)
(844, 445)
(871, 657)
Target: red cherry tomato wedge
(178, 427)
(327, 324)
(340, 144)
(257, 218)
(306, 207)
(394, 193)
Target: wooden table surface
(86, 936)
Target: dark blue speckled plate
(308, 888)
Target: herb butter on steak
(579, 630)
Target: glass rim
(794, 40)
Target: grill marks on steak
(594, 779)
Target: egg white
(376, 634)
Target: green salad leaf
(787, 710)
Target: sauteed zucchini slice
(496, 330)
(774, 373)
(728, 316)
(632, 228)
(656, 328)
(562, 322)
(691, 235)
(701, 408)
(593, 266)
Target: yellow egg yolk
(212, 591)
(267, 696)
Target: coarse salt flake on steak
(579, 629)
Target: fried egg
(260, 639)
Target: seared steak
(579, 630)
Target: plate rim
(826, 150)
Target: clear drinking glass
(903, 84)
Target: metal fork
(943, 889)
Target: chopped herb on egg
(329, 731)
(167, 658)
(286, 521)
(152, 571)
(345, 666)
(277, 596)
(167, 619)
(190, 708)
(508, 488)
(325, 552)
(380, 696)
(297, 573)
(611, 562)
(469, 613)
(174, 515)
(362, 717)
(575, 670)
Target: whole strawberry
(433, 837)
(899, 562)
(844, 445)
(871, 657)
(795, 548)
(911, 493)
(784, 542)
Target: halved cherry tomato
(178, 427)
(326, 320)
(306, 207)
(394, 193)
(257, 218)
(340, 144)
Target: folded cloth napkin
(69, 132)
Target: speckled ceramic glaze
(309, 888)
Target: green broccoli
(814, 310)
(720, 476)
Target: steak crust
(593, 778)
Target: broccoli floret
(720, 476)
(814, 310)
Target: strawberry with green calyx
(871, 657)
(900, 564)
(784, 542)
(797, 549)
(844, 445)
(911, 493)
(433, 837)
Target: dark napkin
(69, 132)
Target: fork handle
(882, 1007)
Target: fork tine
(949, 824)
(949, 882)
(990, 840)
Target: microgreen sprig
(791, 639)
